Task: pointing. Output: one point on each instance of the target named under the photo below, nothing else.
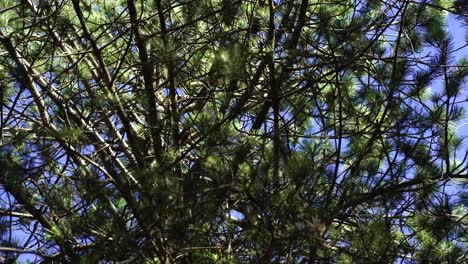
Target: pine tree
(228, 131)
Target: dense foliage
(229, 131)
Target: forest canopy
(229, 131)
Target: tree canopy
(229, 131)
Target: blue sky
(460, 37)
